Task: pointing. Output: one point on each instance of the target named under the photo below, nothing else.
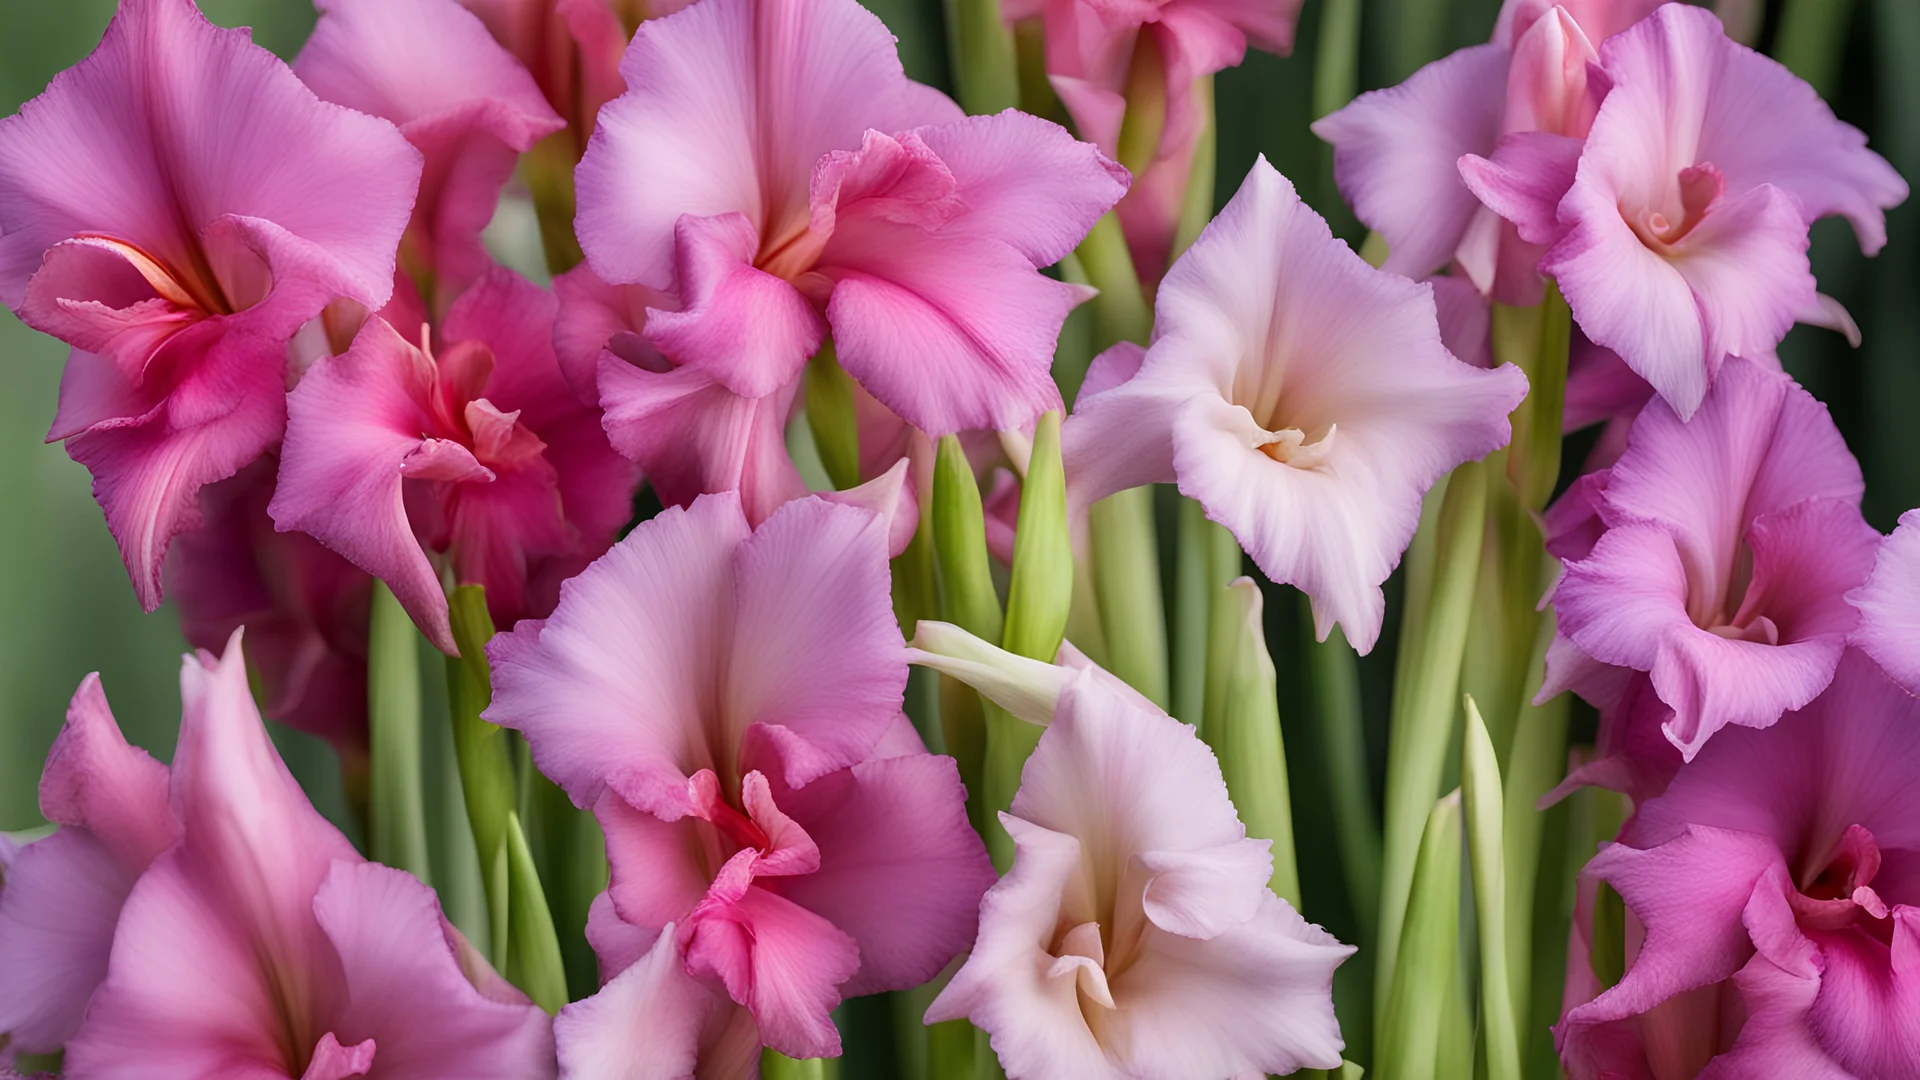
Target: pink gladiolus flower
(262, 945)
(1303, 397)
(1773, 898)
(475, 448)
(1683, 236)
(459, 98)
(177, 241)
(1717, 557)
(1398, 152)
(1889, 605)
(727, 701)
(796, 182)
(305, 610)
(1135, 934)
(572, 47)
(1107, 59)
(60, 897)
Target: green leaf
(1125, 561)
(1485, 810)
(1427, 973)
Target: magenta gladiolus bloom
(1398, 151)
(1773, 898)
(1135, 934)
(463, 101)
(727, 701)
(772, 167)
(262, 945)
(1303, 397)
(1717, 557)
(1096, 52)
(474, 447)
(1889, 605)
(177, 241)
(1682, 238)
(60, 898)
(305, 610)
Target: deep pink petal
(595, 317)
(728, 107)
(58, 911)
(353, 421)
(901, 870)
(606, 687)
(461, 99)
(692, 436)
(407, 991)
(1395, 152)
(654, 1022)
(784, 961)
(1524, 181)
(747, 328)
(816, 662)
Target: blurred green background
(66, 608)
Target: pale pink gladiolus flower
(1889, 604)
(1716, 556)
(178, 241)
(796, 181)
(1398, 151)
(259, 942)
(463, 101)
(727, 701)
(305, 610)
(1106, 59)
(474, 448)
(60, 897)
(1135, 934)
(1303, 397)
(1679, 231)
(1773, 900)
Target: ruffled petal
(652, 1022)
(1889, 604)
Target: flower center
(1290, 446)
(1660, 227)
(1834, 891)
(1081, 955)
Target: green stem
(533, 955)
(1197, 208)
(1535, 764)
(777, 1066)
(1336, 57)
(1425, 701)
(986, 70)
(830, 415)
(1120, 311)
(1126, 577)
(1334, 685)
(397, 807)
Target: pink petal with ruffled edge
(1889, 604)
(462, 100)
(63, 894)
(655, 1022)
(1270, 325)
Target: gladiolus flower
(60, 897)
(1773, 898)
(1681, 237)
(1718, 557)
(1398, 152)
(797, 182)
(261, 943)
(461, 100)
(1303, 397)
(476, 449)
(1889, 605)
(305, 610)
(1112, 64)
(572, 47)
(727, 701)
(175, 207)
(1135, 934)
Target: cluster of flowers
(301, 381)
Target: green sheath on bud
(1486, 843)
(397, 809)
(1427, 973)
(1243, 727)
(830, 414)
